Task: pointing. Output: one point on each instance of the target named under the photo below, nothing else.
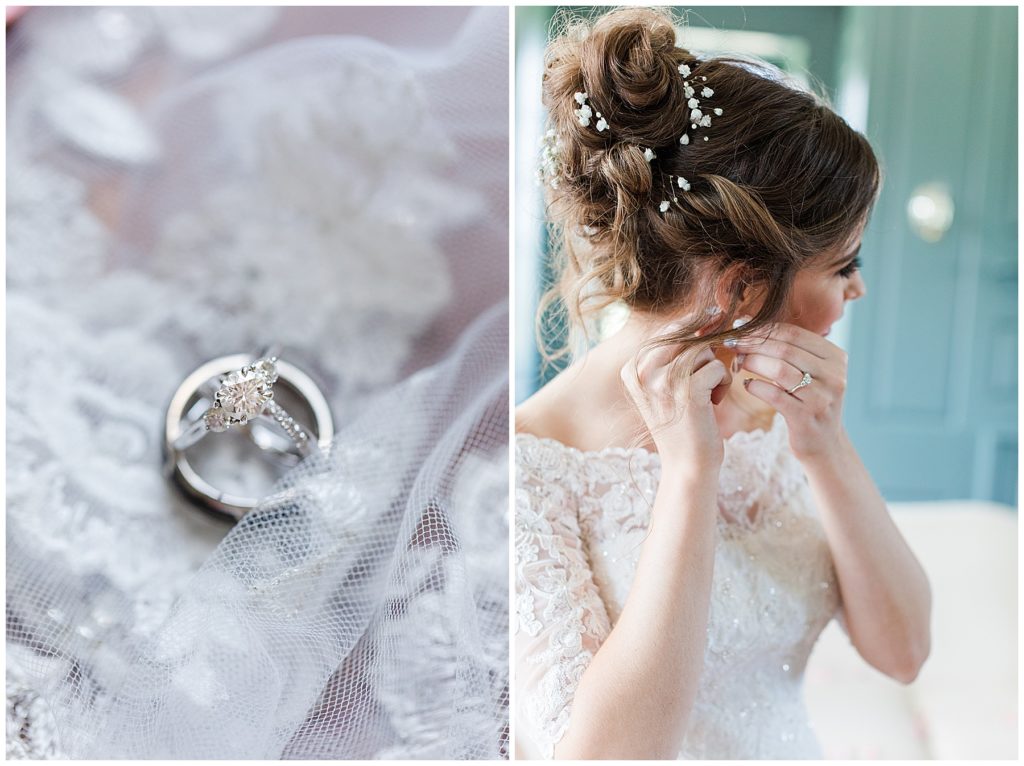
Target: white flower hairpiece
(550, 169)
(700, 117)
(683, 184)
(584, 113)
(550, 159)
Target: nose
(856, 288)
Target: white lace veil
(187, 183)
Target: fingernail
(730, 342)
(740, 321)
(713, 310)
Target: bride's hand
(680, 418)
(813, 412)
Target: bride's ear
(735, 295)
(751, 299)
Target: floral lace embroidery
(31, 730)
(557, 603)
(581, 518)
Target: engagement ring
(805, 381)
(239, 392)
(243, 395)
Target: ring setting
(242, 396)
(806, 380)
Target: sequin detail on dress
(581, 518)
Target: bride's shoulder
(543, 416)
(544, 433)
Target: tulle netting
(187, 183)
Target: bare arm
(635, 697)
(886, 595)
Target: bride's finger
(710, 375)
(672, 358)
(794, 336)
(719, 392)
(664, 354)
(774, 396)
(798, 357)
(674, 378)
(785, 375)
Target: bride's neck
(619, 422)
(606, 417)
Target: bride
(690, 512)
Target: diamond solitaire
(242, 395)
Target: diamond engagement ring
(239, 393)
(243, 395)
(805, 381)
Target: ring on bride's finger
(238, 392)
(805, 381)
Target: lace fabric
(581, 519)
(186, 183)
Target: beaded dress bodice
(581, 519)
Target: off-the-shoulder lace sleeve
(561, 618)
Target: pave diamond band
(295, 432)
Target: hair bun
(626, 171)
(781, 183)
(630, 63)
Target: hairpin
(697, 116)
(584, 113)
(550, 159)
(698, 119)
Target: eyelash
(848, 269)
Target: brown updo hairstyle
(781, 179)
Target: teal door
(932, 402)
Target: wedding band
(805, 381)
(238, 391)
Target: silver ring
(805, 381)
(238, 392)
(243, 395)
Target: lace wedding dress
(580, 523)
